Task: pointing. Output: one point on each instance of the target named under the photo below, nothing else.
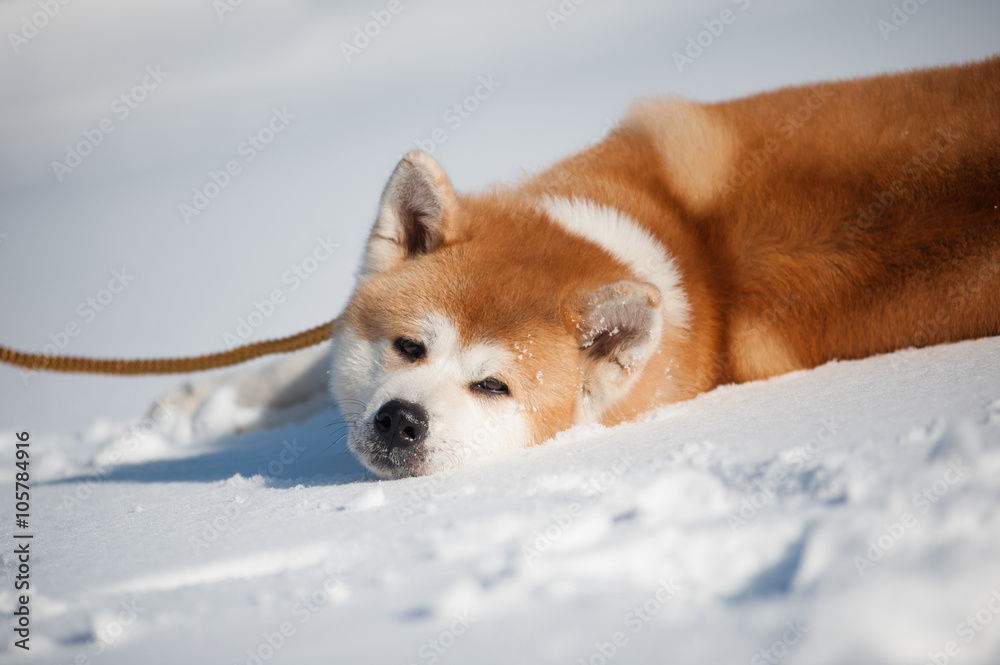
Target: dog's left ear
(618, 327)
(416, 208)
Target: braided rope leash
(240, 354)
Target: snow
(752, 519)
(846, 514)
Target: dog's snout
(401, 424)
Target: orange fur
(809, 224)
(783, 269)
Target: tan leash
(240, 354)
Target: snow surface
(752, 504)
(747, 510)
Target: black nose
(401, 424)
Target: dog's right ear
(618, 327)
(415, 210)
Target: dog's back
(812, 223)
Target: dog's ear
(415, 210)
(618, 327)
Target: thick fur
(698, 244)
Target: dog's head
(480, 324)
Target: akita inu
(698, 244)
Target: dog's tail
(37, 361)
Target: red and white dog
(698, 244)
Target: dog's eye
(491, 386)
(409, 349)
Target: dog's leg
(269, 394)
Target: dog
(695, 245)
